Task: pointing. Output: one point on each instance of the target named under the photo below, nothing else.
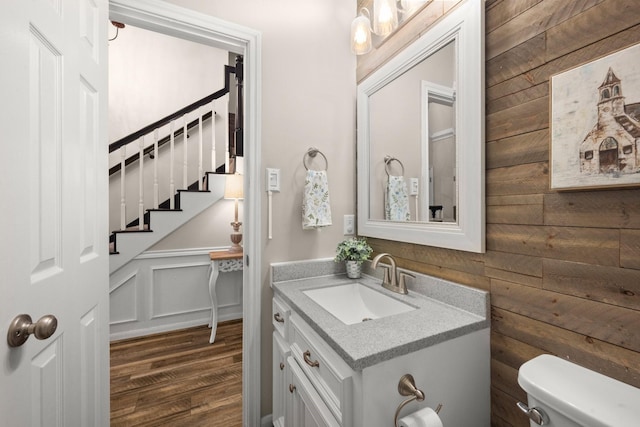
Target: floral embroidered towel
(316, 208)
(396, 203)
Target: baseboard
(116, 336)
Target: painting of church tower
(611, 147)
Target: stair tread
(194, 191)
(133, 231)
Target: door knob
(21, 327)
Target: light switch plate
(349, 225)
(273, 179)
(413, 191)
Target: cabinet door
(304, 407)
(280, 385)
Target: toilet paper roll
(425, 417)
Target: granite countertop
(444, 310)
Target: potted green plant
(354, 251)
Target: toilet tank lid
(585, 396)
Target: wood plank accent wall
(563, 269)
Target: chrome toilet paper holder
(407, 387)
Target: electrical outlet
(273, 179)
(414, 187)
(349, 225)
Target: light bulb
(385, 17)
(361, 35)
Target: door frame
(187, 24)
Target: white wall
(308, 99)
(152, 75)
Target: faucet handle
(387, 276)
(401, 282)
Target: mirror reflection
(412, 137)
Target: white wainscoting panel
(123, 307)
(161, 291)
(179, 289)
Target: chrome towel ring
(312, 152)
(387, 160)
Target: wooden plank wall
(563, 269)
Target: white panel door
(53, 252)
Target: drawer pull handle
(278, 318)
(281, 366)
(291, 388)
(307, 359)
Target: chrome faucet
(394, 281)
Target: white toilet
(563, 394)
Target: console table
(221, 262)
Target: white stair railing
(213, 135)
(156, 187)
(158, 164)
(185, 154)
(123, 201)
(141, 184)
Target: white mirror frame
(466, 23)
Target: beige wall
(308, 99)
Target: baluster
(185, 155)
(123, 207)
(200, 168)
(141, 184)
(156, 195)
(213, 137)
(172, 187)
(226, 140)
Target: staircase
(159, 223)
(156, 221)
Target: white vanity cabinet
(311, 384)
(281, 351)
(330, 373)
(304, 405)
(314, 386)
(316, 363)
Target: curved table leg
(213, 278)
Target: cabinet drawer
(305, 408)
(280, 317)
(329, 374)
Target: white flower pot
(354, 269)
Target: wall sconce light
(385, 21)
(361, 33)
(385, 17)
(409, 6)
(233, 189)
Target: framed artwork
(595, 124)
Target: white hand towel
(425, 417)
(396, 206)
(316, 207)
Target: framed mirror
(421, 138)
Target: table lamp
(233, 189)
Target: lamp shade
(361, 34)
(385, 17)
(233, 187)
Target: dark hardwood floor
(178, 379)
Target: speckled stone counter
(444, 310)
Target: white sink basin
(355, 303)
